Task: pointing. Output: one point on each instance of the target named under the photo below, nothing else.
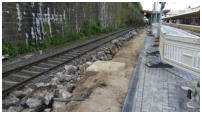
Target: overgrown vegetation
(134, 15)
(10, 49)
(89, 29)
(137, 8)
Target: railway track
(20, 76)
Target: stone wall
(24, 22)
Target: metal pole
(159, 25)
(160, 16)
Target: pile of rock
(41, 98)
(61, 84)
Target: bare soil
(111, 95)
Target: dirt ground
(111, 93)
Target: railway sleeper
(44, 65)
(15, 78)
(65, 57)
(51, 63)
(28, 71)
(54, 61)
(21, 76)
(59, 59)
(40, 67)
(6, 85)
(72, 54)
(9, 82)
(37, 69)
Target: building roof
(189, 12)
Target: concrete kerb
(128, 103)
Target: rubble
(11, 100)
(82, 69)
(15, 109)
(70, 87)
(64, 94)
(28, 110)
(47, 110)
(18, 94)
(48, 97)
(54, 81)
(33, 102)
(58, 106)
(70, 69)
(89, 63)
(63, 81)
(41, 84)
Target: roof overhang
(192, 14)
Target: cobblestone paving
(159, 89)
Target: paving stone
(160, 88)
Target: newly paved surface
(157, 89)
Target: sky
(172, 5)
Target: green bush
(108, 29)
(43, 44)
(139, 5)
(10, 49)
(75, 36)
(91, 29)
(47, 32)
(121, 26)
(58, 40)
(96, 29)
(124, 4)
(23, 48)
(86, 29)
(4, 50)
(65, 27)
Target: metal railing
(179, 48)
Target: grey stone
(107, 51)
(114, 41)
(113, 49)
(64, 94)
(11, 100)
(64, 78)
(123, 39)
(93, 58)
(58, 106)
(18, 94)
(60, 87)
(15, 109)
(78, 78)
(101, 55)
(33, 102)
(55, 81)
(28, 90)
(70, 69)
(59, 74)
(48, 97)
(41, 84)
(70, 87)
(134, 33)
(109, 56)
(82, 68)
(28, 110)
(47, 110)
(88, 63)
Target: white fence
(179, 48)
